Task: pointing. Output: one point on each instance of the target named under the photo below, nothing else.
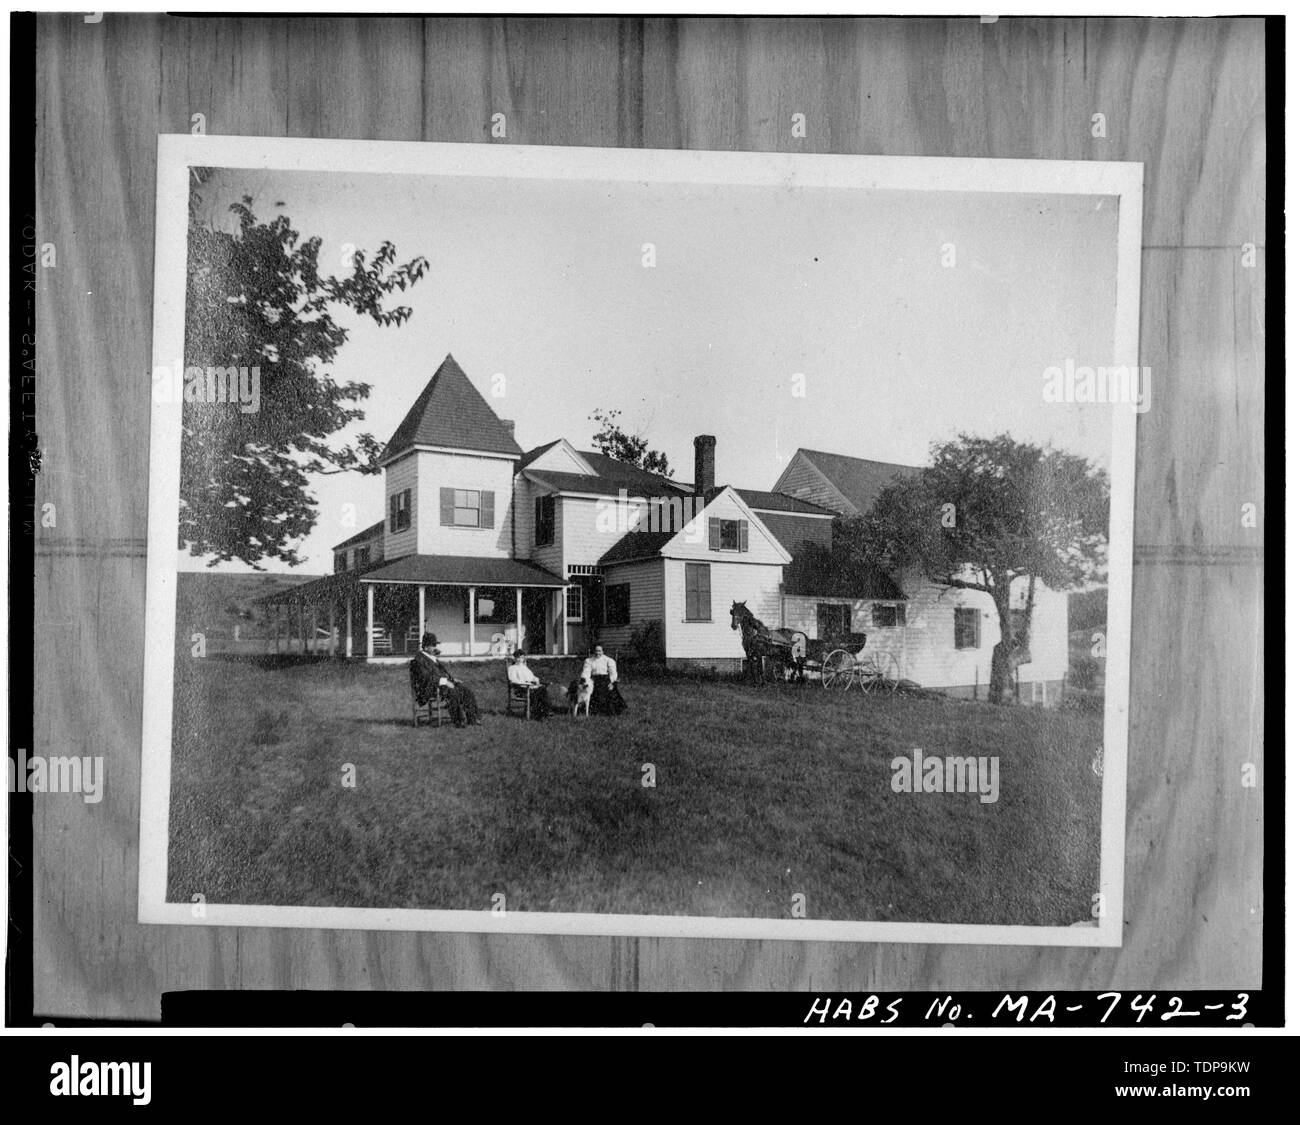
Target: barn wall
(800, 478)
(1186, 97)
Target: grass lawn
(759, 794)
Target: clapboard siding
(647, 599)
(756, 584)
(926, 648)
(1186, 97)
(401, 475)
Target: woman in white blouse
(602, 671)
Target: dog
(579, 695)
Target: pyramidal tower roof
(452, 414)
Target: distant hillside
(1088, 610)
(218, 604)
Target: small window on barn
(833, 620)
(544, 521)
(966, 627)
(340, 562)
(618, 604)
(887, 616)
(363, 556)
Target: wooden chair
(383, 641)
(517, 696)
(432, 711)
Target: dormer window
(399, 510)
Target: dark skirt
(605, 697)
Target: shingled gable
(451, 414)
(857, 479)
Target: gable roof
(450, 412)
(534, 453)
(649, 544)
(373, 531)
(610, 476)
(637, 545)
(780, 502)
(623, 475)
(857, 479)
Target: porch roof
(462, 570)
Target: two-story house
(493, 547)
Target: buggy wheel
(837, 670)
(880, 672)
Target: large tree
(256, 298)
(633, 449)
(986, 514)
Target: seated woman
(522, 676)
(602, 671)
(461, 703)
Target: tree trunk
(1011, 651)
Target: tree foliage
(256, 298)
(985, 513)
(632, 449)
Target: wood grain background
(1186, 97)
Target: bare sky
(543, 282)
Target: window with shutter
(728, 535)
(487, 509)
(699, 595)
(544, 521)
(447, 506)
(399, 510)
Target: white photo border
(178, 153)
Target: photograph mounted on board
(639, 542)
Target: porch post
(334, 646)
(421, 613)
(348, 651)
(302, 636)
(315, 639)
(519, 617)
(370, 621)
(564, 621)
(471, 620)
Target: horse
(788, 647)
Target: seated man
(521, 675)
(602, 671)
(434, 675)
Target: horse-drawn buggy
(790, 654)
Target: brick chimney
(704, 447)
(509, 425)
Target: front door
(535, 602)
